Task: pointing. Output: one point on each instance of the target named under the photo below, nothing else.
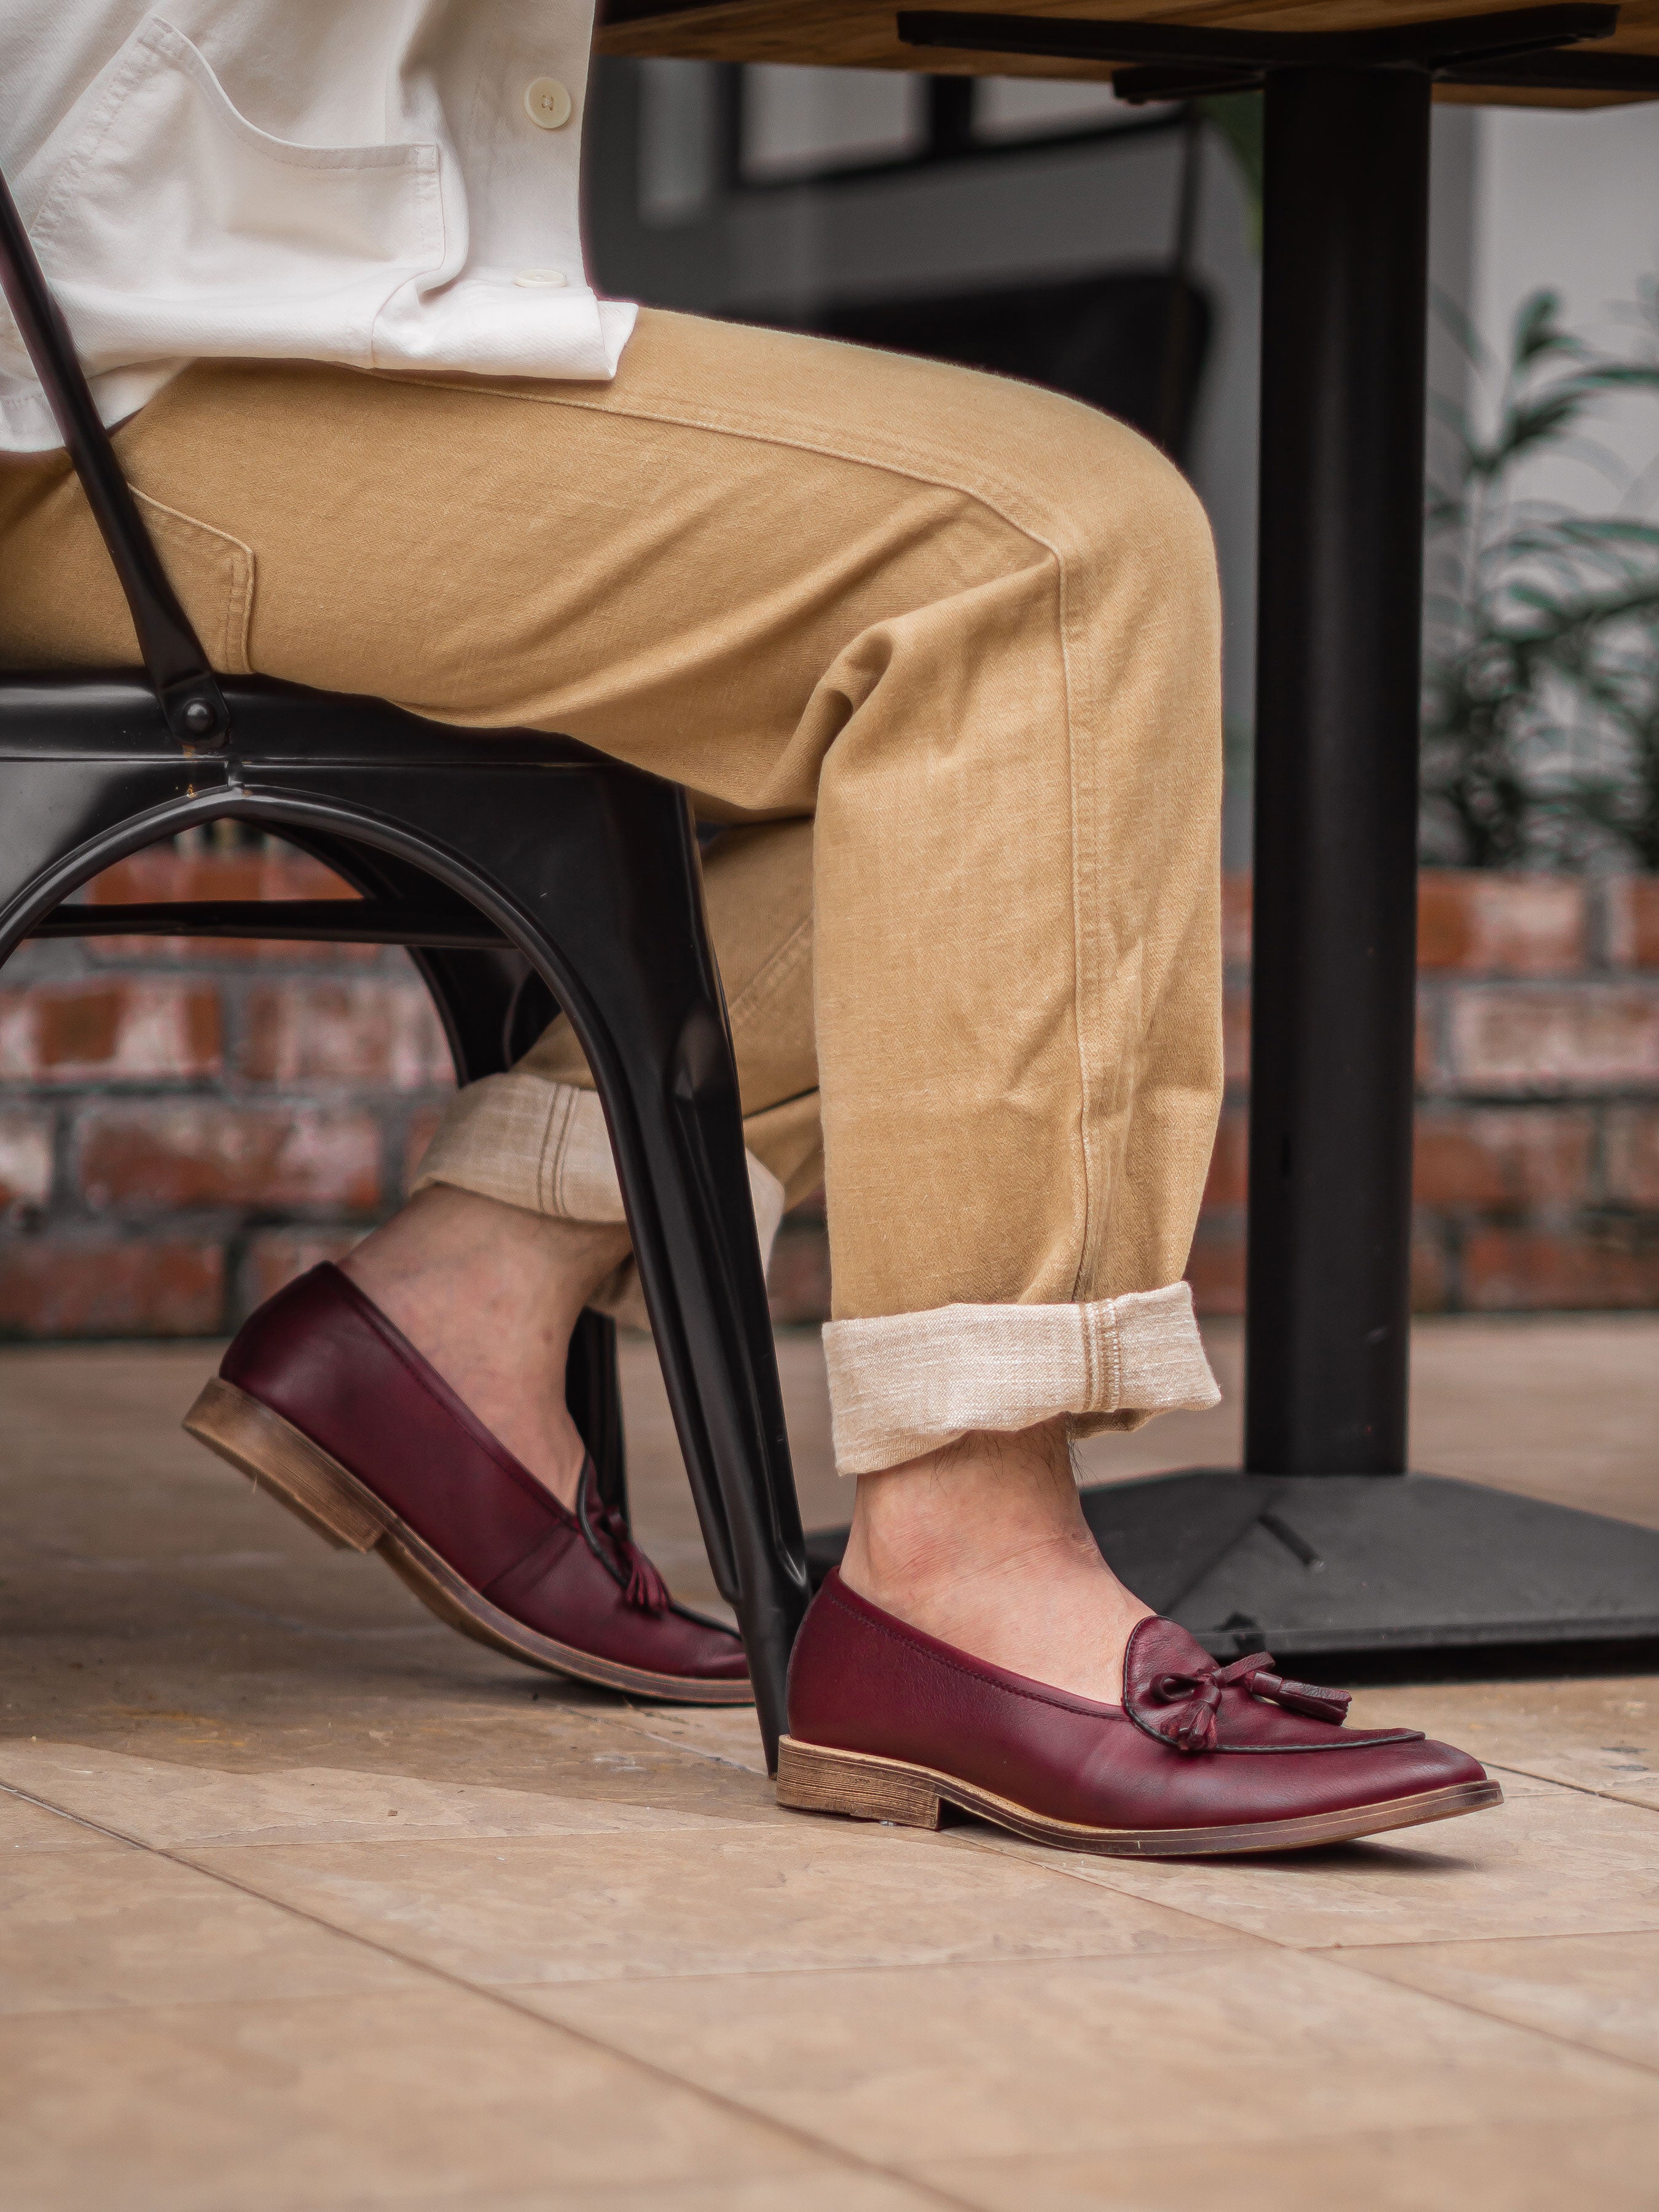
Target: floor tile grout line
(835, 2152)
(1334, 1954)
(76, 1820)
(1451, 1942)
(995, 1845)
(718, 1758)
(1351, 1959)
(877, 1967)
(1301, 1950)
(1584, 1789)
(1350, 1964)
(1424, 2130)
(699, 1751)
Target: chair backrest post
(189, 694)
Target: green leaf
(1464, 334)
(1237, 117)
(1540, 701)
(1538, 330)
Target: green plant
(1237, 117)
(1541, 723)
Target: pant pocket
(61, 602)
(213, 574)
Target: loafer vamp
(562, 1590)
(861, 1681)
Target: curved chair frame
(490, 856)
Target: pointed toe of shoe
(1409, 1769)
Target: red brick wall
(1537, 1162)
(185, 1123)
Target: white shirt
(387, 183)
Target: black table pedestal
(1325, 1544)
(1358, 1566)
(1345, 285)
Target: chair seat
(114, 714)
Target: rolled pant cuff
(545, 1146)
(907, 1384)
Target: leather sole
(330, 1500)
(812, 1779)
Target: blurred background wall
(183, 1125)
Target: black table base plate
(1367, 1565)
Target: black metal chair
(505, 862)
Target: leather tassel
(645, 1587)
(1319, 1705)
(1196, 1731)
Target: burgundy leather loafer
(327, 1404)
(888, 1724)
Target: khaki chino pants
(942, 649)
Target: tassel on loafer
(886, 1723)
(325, 1403)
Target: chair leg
(608, 898)
(493, 1006)
(689, 1205)
(593, 1391)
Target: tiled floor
(310, 1905)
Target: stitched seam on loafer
(521, 1564)
(1337, 1743)
(1058, 1699)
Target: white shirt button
(541, 279)
(547, 103)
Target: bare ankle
(446, 1233)
(960, 1510)
(983, 1545)
(488, 1294)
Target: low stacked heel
(813, 1780)
(278, 1458)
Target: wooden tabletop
(861, 33)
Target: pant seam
(1082, 908)
(990, 495)
(550, 1169)
(773, 971)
